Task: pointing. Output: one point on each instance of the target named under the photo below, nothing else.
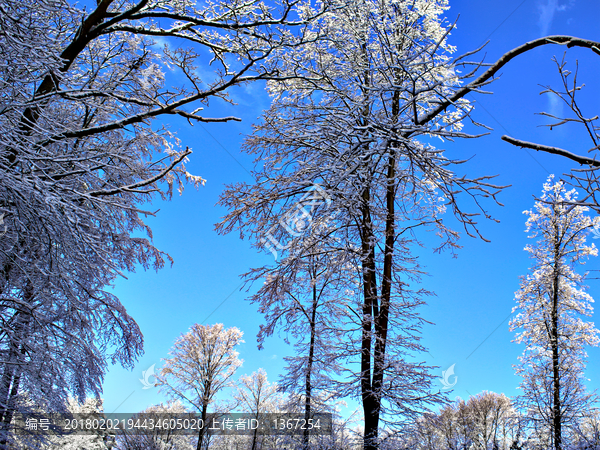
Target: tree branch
(554, 150)
(143, 183)
(569, 41)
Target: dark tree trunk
(204, 425)
(370, 301)
(556, 406)
(311, 356)
(10, 388)
(254, 438)
(11, 379)
(13, 369)
(374, 313)
(371, 404)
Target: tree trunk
(372, 388)
(204, 426)
(254, 438)
(13, 369)
(10, 388)
(556, 407)
(371, 404)
(311, 356)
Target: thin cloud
(555, 105)
(547, 11)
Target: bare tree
(300, 297)
(156, 439)
(202, 363)
(350, 125)
(255, 395)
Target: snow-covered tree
(202, 363)
(587, 434)
(143, 439)
(494, 420)
(552, 306)
(256, 396)
(347, 172)
(80, 151)
(46, 440)
(300, 298)
(424, 434)
(487, 421)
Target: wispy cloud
(547, 9)
(555, 105)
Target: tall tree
(551, 305)
(355, 125)
(301, 298)
(202, 363)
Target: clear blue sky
(475, 292)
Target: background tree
(491, 414)
(423, 434)
(587, 434)
(143, 439)
(551, 303)
(256, 396)
(202, 363)
(486, 421)
(301, 297)
(38, 440)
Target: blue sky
(475, 291)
